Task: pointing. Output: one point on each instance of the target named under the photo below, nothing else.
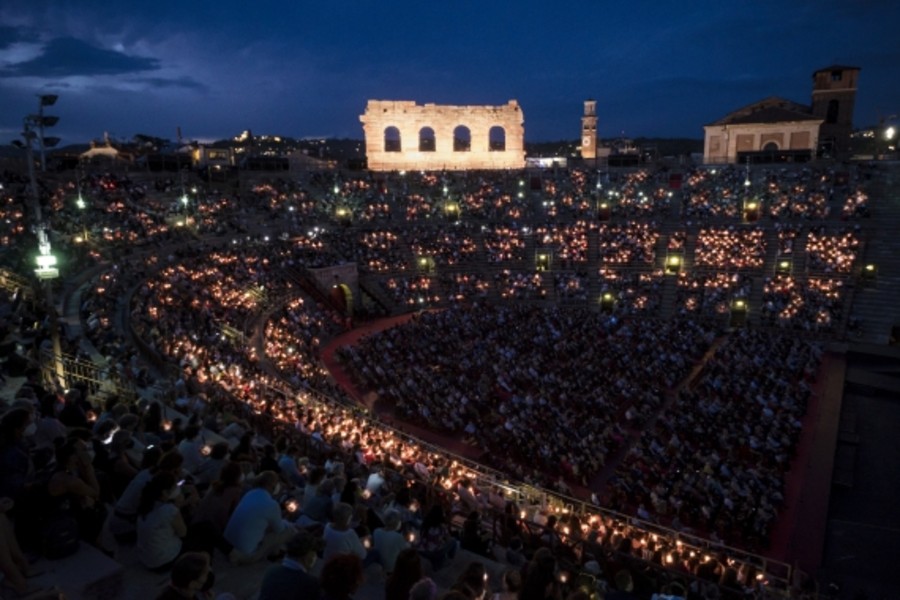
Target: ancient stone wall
(384, 119)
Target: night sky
(306, 69)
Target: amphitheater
(275, 302)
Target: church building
(780, 130)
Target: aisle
(343, 379)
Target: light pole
(47, 269)
(45, 121)
(80, 203)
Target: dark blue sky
(299, 68)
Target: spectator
(191, 577)
(125, 511)
(424, 589)
(341, 577)
(512, 585)
(339, 537)
(210, 469)
(388, 541)
(436, 544)
(221, 498)
(13, 564)
(319, 509)
(292, 578)
(256, 528)
(407, 572)
(16, 468)
(160, 526)
(73, 488)
(473, 582)
(473, 538)
(540, 578)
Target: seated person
(160, 526)
(318, 509)
(388, 541)
(192, 577)
(256, 527)
(339, 537)
(221, 498)
(292, 578)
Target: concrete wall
(410, 118)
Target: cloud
(10, 36)
(184, 82)
(67, 56)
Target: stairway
(874, 302)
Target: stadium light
(42, 120)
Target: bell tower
(589, 130)
(833, 96)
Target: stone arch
(462, 139)
(410, 119)
(342, 296)
(497, 139)
(427, 140)
(392, 139)
(770, 147)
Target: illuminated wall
(403, 135)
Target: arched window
(770, 147)
(426, 140)
(462, 139)
(392, 139)
(497, 139)
(834, 108)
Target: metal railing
(98, 378)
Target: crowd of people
(569, 244)
(714, 294)
(524, 368)
(731, 248)
(569, 368)
(629, 244)
(832, 252)
(717, 456)
(815, 305)
(633, 293)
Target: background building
(780, 130)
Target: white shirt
(157, 542)
(341, 542)
(192, 451)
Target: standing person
(256, 527)
(292, 579)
